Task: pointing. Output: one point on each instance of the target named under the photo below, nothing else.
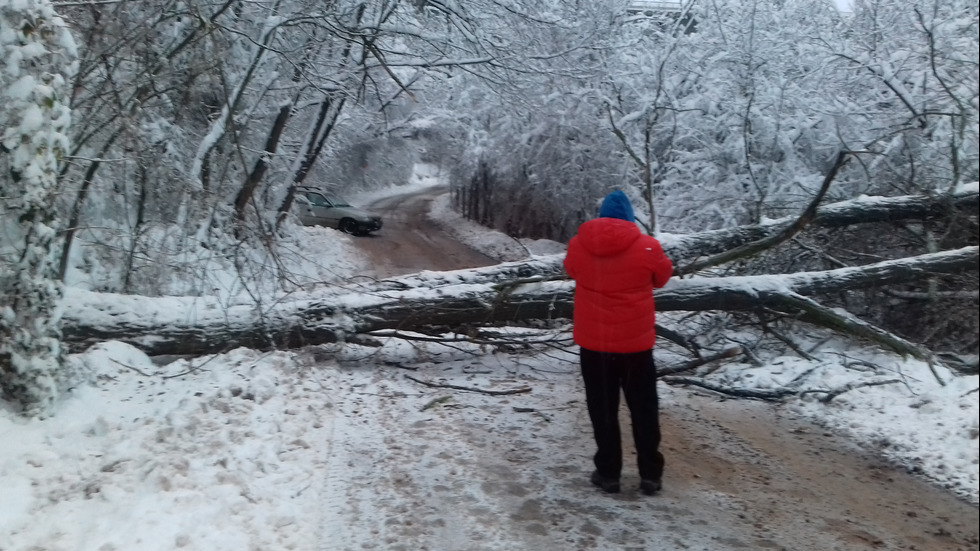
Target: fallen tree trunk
(836, 215)
(201, 326)
(683, 249)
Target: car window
(317, 200)
(339, 202)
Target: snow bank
(210, 454)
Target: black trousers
(605, 373)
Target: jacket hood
(607, 236)
(617, 205)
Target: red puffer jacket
(615, 268)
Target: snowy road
(423, 468)
(414, 467)
(410, 241)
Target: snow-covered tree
(736, 111)
(534, 154)
(732, 111)
(196, 118)
(37, 61)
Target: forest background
(146, 144)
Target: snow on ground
(249, 450)
(908, 416)
(198, 454)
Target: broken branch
(520, 390)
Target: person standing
(616, 268)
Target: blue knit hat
(617, 205)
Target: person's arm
(661, 266)
(569, 262)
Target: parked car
(314, 208)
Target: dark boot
(650, 487)
(608, 485)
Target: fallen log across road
(196, 325)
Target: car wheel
(348, 226)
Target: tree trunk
(262, 163)
(158, 327)
(330, 109)
(76, 209)
(39, 54)
(835, 215)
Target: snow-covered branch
(198, 326)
